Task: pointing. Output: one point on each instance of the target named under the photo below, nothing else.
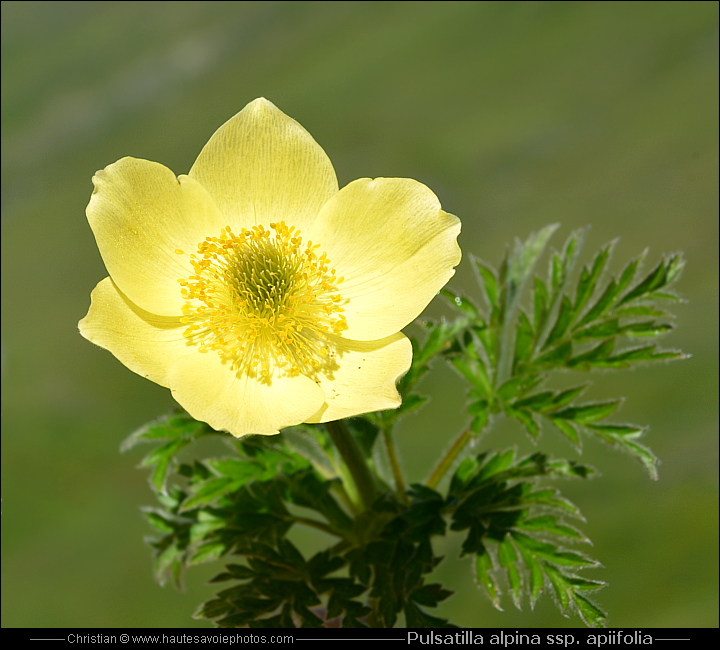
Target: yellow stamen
(262, 301)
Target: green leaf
(488, 282)
(161, 458)
(463, 473)
(411, 403)
(485, 577)
(656, 279)
(601, 330)
(208, 552)
(524, 339)
(624, 436)
(474, 371)
(465, 305)
(591, 614)
(530, 423)
(508, 558)
(601, 306)
(588, 280)
(549, 524)
(541, 302)
(537, 402)
(641, 355)
(173, 425)
(587, 413)
(647, 328)
(535, 572)
(556, 357)
(568, 430)
(526, 254)
(562, 323)
(597, 357)
(565, 397)
(212, 490)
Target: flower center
(263, 301)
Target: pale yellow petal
(242, 405)
(365, 378)
(145, 343)
(141, 214)
(262, 167)
(395, 248)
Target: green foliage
(517, 530)
(505, 353)
(376, 569)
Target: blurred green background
(517, 114)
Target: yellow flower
(257, 291)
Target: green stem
(354, 460)
(394, 464)
(448, 459)
(319, 525)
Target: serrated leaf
(507, 556)
(549, 524)
(541, 302)
(212, 490)
(562, 592)
(537, 402)
(557, 356)
(161, 458)
(656, 279)
(568, 430)
(511, 388)
(602, 305)
(595, 357)
(562, 323)
(587, 413)
(627, 431)
(208, 552)
(601, 330)
(173, 425)
(624, 437)
(430, 595)
(638, 311)
(493, 465)
(642, 354)
(530, 423)
(524, 338)
(525, 254)
(158, 521)
(566, 396)
(484, 576)
(535, 571)
(465, 305)
(648, 328)
(474, 371)
(462, 474)
(411, 403)
(589, 277)
(571, 468)
(488, 282)
(591, 614)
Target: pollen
(263, 300)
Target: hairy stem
(448, 459)
(394, 463)
(354, 461)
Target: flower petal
(365, 379)
(395, 248)
(261, 166)
(145, 343)
(234, 402)
(141, 214)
